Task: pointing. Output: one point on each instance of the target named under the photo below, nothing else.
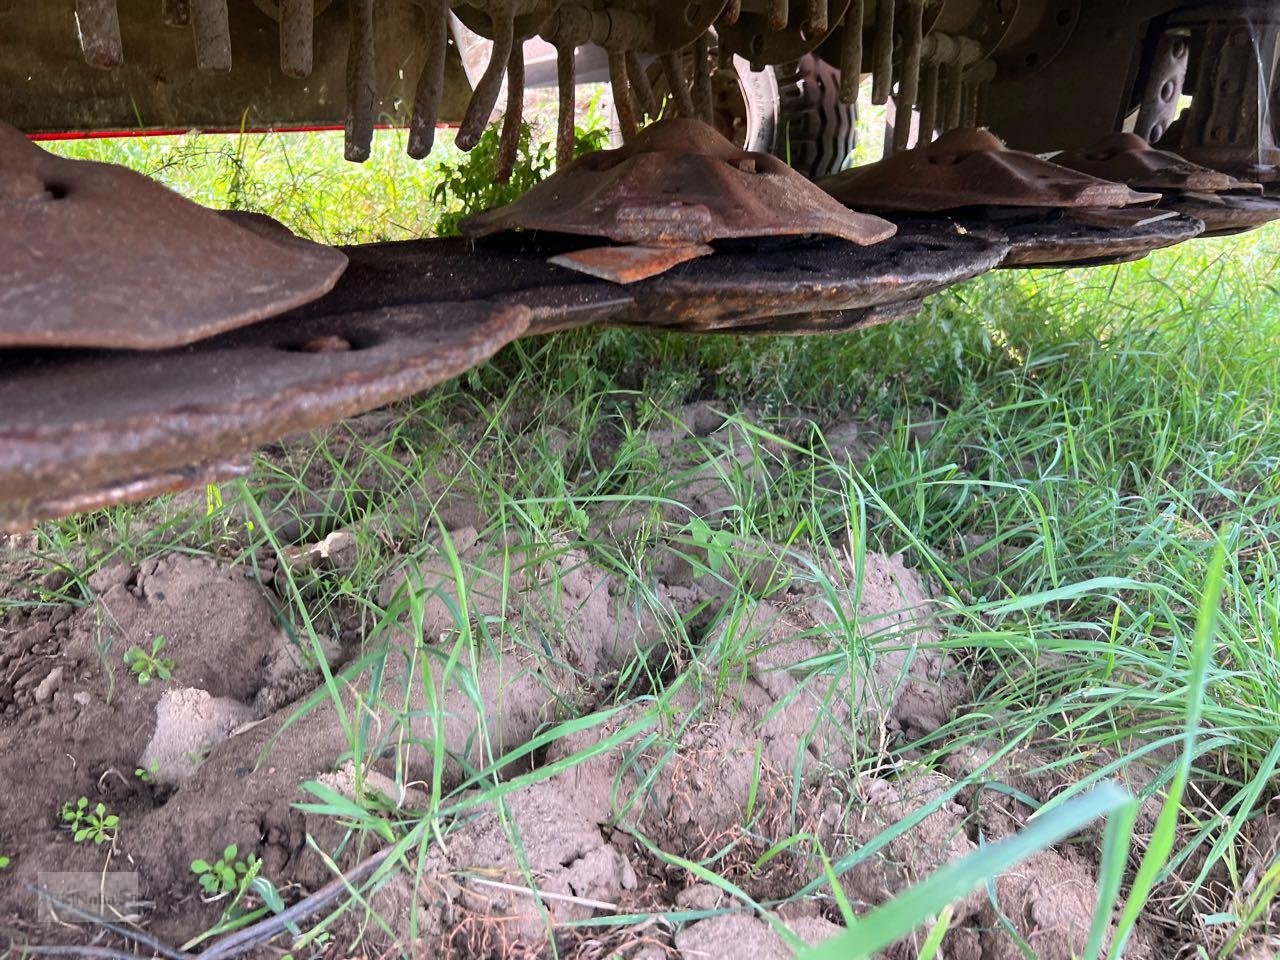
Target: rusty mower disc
(679, 182)
(1225, 214)
(971, 168)
(95, 255)
(1127, 158)
(98, 427)
(1226, 204)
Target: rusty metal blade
(747, 290)
(969, 168)
(1122, 218)
(834, 321)
(1065, 238)
(629, 264)
(1225, 214)
(132, 490)
(744, 283)
(96, 255)
(1068, 242)
(678, 182)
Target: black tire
(815, 132)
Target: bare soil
(734, 765)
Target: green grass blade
(1162, 838)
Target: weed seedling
(227, 874)
(716, 543)
(148, 666)
(95, 824)
(147, 775)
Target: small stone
(82, 697)
(189, 723)
(44, 692)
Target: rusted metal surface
(264, 225)
(907, 97)
(1041, 73)
(129, 490)
(211, 32)
(1226, 204)
(677, 84)
(745, 287)
(485, 17)
(513, 118)
(744, 284)
(630, 195)
(485, 96)
(362, 84)
(429, 92)
(1127, 158)
(89, 426)
(1225, 214)
(1062, 238)
(99, 24)
(297, 46)
(50, 87)
(882, 53)
(851, 51)
(629, 264)
(830, 322)
(511, 270)
(779, 34)
(967, 168)
(1057, 240)
(95, 255)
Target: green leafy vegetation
(228, 874)
(149, 665)
(89, 823)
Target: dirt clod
(751, 938)
(204, 612)
(189, 723)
